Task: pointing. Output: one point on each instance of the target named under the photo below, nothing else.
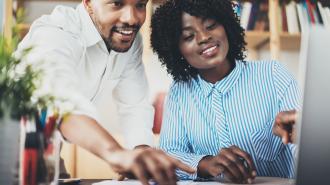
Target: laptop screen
(313, 165)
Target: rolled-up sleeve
(132, 97)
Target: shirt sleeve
(132, 97)
(288, 92)
(57, 53)
(173, 137)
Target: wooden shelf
(290, 41)
(256, 39)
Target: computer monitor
(313, 165)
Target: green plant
(18, 81)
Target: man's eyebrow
(186, 28)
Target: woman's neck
(218, 73)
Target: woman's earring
(181, 59)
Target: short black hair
(166, 31)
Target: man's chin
(121, 46)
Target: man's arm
(87, 133)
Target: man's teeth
(209, 49)
(124, 32)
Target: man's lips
(126, 34)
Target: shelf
(256, 39)
(290, 41)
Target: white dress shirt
(78, 68)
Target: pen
(30, 159)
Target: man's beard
(112, 45)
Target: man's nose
(129, 16)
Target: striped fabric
(200, 118)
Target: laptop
(313, 166)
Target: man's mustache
(126, 28)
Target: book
(253, 14)
(302, 17)
(292, 19)
(323, 14)
(245, 14)
(284, 18)
(261, 20)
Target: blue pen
(43, 117)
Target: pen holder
(39, 151)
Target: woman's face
(203, 42)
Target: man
(85, 50)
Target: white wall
(35, 9)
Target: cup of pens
(40, 147)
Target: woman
(224, 116)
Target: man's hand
(147, 163)
(232, 162)
(284, 126)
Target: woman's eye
(141, 5)
(211, 26)
(188, 38)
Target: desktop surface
(258, 181)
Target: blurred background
(270, 35)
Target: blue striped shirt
(200, 118)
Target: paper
(135, 182)
(258, 180)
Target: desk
(258, 181)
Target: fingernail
(254, 173)
(249, 181)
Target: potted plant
(22, 107)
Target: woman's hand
(284, 126)
(234, 163)
(147, 163)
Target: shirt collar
(89, 31)
(224, 85)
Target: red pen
(30, 159)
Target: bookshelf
(274, 38)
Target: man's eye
(117, 4)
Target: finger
(121, 178)
(284, 134)
(230, 166)
(155, 168)
(228, 175)
(247, 157)
(286, 119)
(240, 163)
(167, 166)
(139, 173)
(180, 165)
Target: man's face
(118, 21)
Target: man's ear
(88, 6)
